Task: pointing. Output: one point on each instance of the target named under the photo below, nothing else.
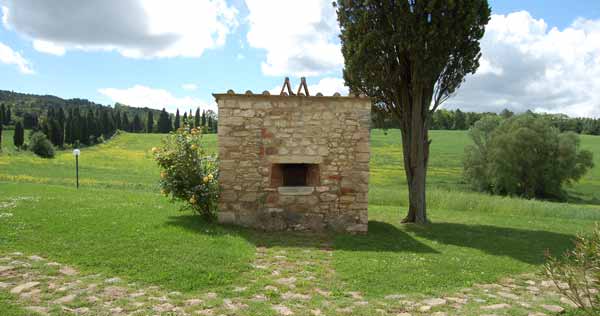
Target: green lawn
(118, 224)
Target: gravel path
(283, 282)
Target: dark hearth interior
(294, 175)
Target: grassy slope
(118, 224)
(474, 238)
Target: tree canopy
(523, 155)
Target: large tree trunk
(415, 147)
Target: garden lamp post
(76, 153)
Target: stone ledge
(296, 159)
(296, 190)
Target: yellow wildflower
(154, 150)
(194, 146)
(210, 177)
(163, 174)
(163, 192)
(205, 179)
(193, 199)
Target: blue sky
(100, 50)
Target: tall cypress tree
(409, 57)
(125, 123)
(164, 122)
(69, 128)
(197, 118)
(61, 117)
(137, 125)
(203, 118)
(98, 124)
(7, 116)
(1, 135)
(2, 114)
(90, 127)
(185, 118)
(107, 124)
(117, 119)
(210, 124)
(177, 120)
(150, 122)
(55, 134)
(76, 126)
(19, 136)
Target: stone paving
(282, 282)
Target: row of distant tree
(458, 120)
(72, 125)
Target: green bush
(523, 155)
(40, 145)
(187, 173)
(577, 273)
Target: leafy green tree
(19, 136)
(460, 120)
(506, 113)
(40, 145)
(150, 122)
(1, 136)
(2, 110)
(409, 57)
(472, 118)
(177, 123)
(524, 156)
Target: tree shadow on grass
(527, 246)
(382, 237)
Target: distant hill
(22, 103)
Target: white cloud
(189, 86)
(527, 65)
(134, 28)
(329, 86)
(300, 38)
(10, 57)
(142, 96)
(48, 47)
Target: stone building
(294, 162)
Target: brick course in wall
(263, 139)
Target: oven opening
(295, 175)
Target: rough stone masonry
(294, 162)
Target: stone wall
(260, 133)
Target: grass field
(118, 224)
